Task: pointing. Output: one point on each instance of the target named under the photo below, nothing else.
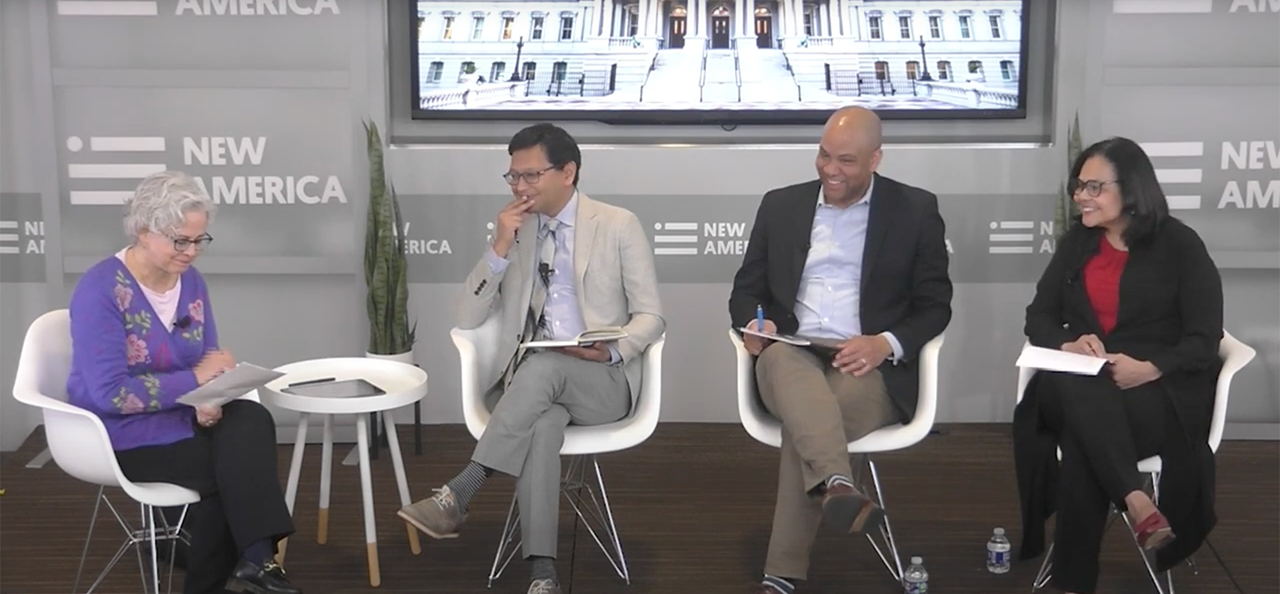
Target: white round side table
(404, 384)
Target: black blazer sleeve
(931, 288)
(751, 283)
(1045, 324)
(1200, 305)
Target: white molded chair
(1235, 355)
(477, 350)
(80, 446)
(767, 429)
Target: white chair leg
(506, 540)
(155, 557)
(326, 471)
(124, 547)
(602, 514)
(1046, 568)
(402, 483)
(366, 489)
(886, 530)
(1146, 561)
(97, 503)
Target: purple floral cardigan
(126, 367)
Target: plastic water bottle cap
(1000, 531)
(917, 560)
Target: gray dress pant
(523, 439)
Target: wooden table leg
(326, 468)
(397, 461)
(366, 488)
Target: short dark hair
(1141, 198)
(559, 147)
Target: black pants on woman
(1103, 433)
(233, 467)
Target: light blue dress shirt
(828, 302)
(563, 314)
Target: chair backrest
(762, 426)
(644, 419)
(76, 437)
(476, 348)
(1235, 355)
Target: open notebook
(587, 337)
(825, 343)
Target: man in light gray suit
(560, 263)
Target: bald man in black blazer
(859, 262)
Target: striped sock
(465, 485)
(836, 479)
(779, 584)
(542, 568)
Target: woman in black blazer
(1132, 284)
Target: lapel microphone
(546, 271)
(183, 322)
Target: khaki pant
(821, 410)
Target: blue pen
(760, 318)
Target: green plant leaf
(385, 263)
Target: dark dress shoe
(848, 509)
(267, 578)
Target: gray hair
(162, 201)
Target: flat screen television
(724, 62)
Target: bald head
(848, 154)
(857, 123)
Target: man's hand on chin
(859, 355)
(597, 351)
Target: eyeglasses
(1093, 186)
(181, 243)
(530, 177)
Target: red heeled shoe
(1153, 532)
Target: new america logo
(1180, 167)
(199, 8)
(95, 183)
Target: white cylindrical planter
(401, 358)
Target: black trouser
(233, 467)
(1103, 432)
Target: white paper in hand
(234, 383)
(1034, 357)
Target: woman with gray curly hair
(143, 335)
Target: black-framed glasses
(529, 177)
(181, 244)
(1093, 187)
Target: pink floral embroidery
(124, 297)
(137, 349)
(196, 309)
(132, 405)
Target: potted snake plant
(1065, 208)
(385, 265)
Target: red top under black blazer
(1170, 314)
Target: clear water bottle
(916, 579)
(998, 552)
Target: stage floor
(693, 506)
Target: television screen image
(718, 61)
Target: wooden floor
(693, 505)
